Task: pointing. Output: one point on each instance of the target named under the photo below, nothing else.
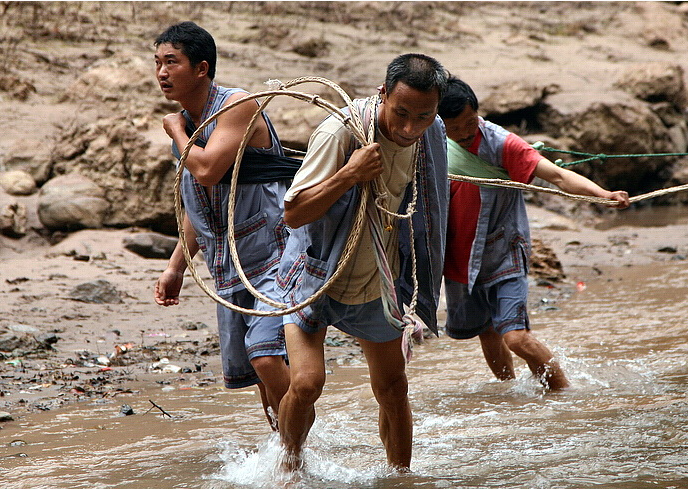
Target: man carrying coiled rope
(253, 348)
(488, 240)
(409, 152)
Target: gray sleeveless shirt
(259, 228)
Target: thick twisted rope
(498, 182)
(352, 121)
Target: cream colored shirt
(327, 148)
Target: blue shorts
(502, 306)
(243, 337)
(365, 321)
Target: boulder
(514, 97)
(31, 156)
(13, 216)
(621, 128)
(151, 245)
(96, 292)
(110, 78)
(656, 82)
(296, 124)
(137, 177)
(17, 182)
(71, 202)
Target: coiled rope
(352, 120)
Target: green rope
(540, 146)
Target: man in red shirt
(488, 239)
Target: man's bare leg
(297, 409)
(274, 374)
(497, 354)
(387, 369)
(538, 357)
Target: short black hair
(457, 96)
(194, 42)
(418, 71)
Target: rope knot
(274, 84)
(413, 333)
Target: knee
(306, 387)
(392, 392)
(517, 339)
(525, 345)
(266, 364)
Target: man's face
(463, 128)
(176, 77)
(406, 113)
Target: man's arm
(312, 203)
(170, 282)
(574, 183)
(210, 164)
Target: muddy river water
(623, 342)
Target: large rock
(137, 178)
(150, 245)
(13, 216)
(96, 292)
(31, 156)
(509, 100)
(656, 82)
(296, 124)
(17, 182)
(71, 202)
(110, 79)
(621, 128)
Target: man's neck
(195, 103)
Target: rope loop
(353, 122)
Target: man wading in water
(253, 348)
(488, 243)
(409, 149)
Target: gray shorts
(502, 306)
(243, 337)
(366, 321)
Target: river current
(623, 342)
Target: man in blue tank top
(253, 348)
(488, 238)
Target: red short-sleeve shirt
(519, 160)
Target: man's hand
(621, 196)
(365, 163)
(173, 123)
(168, 286)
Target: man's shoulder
(489, 127)
(225, 93)
(334, 126)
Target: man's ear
(202, 68)
(383, 92)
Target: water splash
(324, 462)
